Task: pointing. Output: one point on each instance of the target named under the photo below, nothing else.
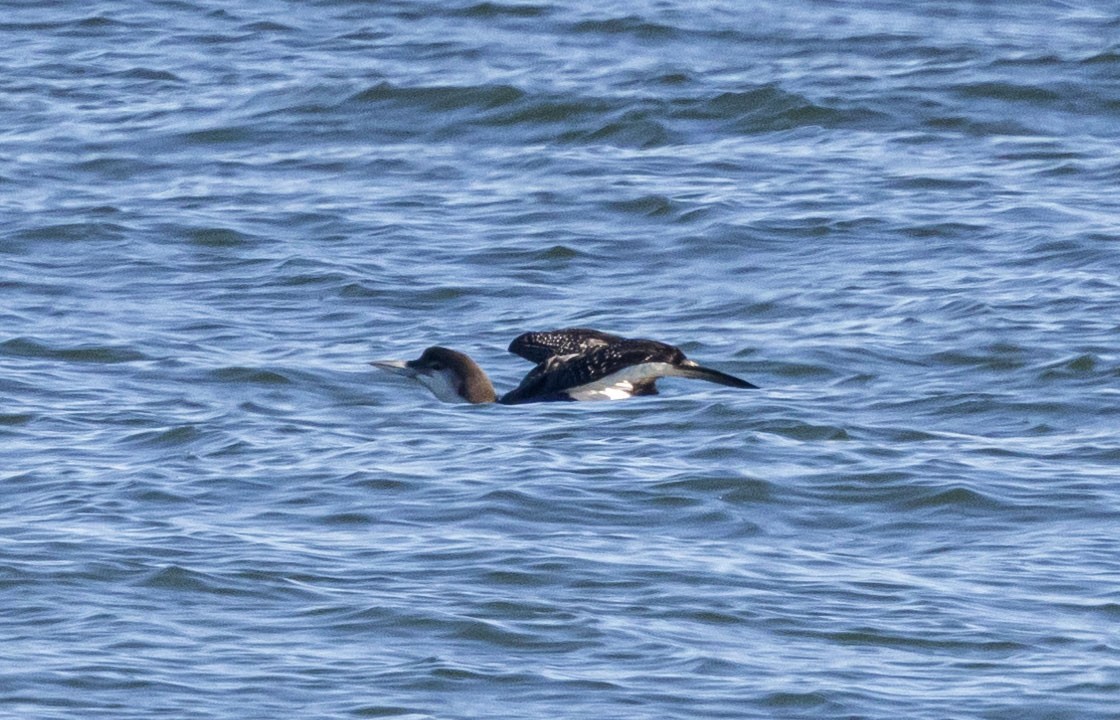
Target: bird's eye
(437, 366)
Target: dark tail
(700, 372)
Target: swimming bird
(571, 364)
(450, 375)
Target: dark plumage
(572, 364)
(540, 346)
(635, 366)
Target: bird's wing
(540, 346)
(552, 378)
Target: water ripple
(898, 220)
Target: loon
(571, 364)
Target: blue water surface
(899, 219)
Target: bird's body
(571, 364)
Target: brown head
(449, 374)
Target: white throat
(444, 384)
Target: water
(899, 219)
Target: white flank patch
(620, 385)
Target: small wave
(1082, 365)
(971, 125)
(633, 130)
(620, 120)
(487, 10)
(27, 348)
(1008, 92)
(795, 430)
(143, 73)
(768, 108)
(166, 437)
(267, 26)
(362, 290)
(802, 701)
(731, 489)
(800, 370)
(181, 579)
(955, 497)
(558, 252)
(442, 97)
(629, 25)
(877, 638)
(98, 21)
(942, 230)
(996, 356)
(927, 182)
(222, 135)
(255, 376)
(1108, 57)
(647, 205)
(218, 237)
(116, 167)
(547, 109)
(74, 232)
